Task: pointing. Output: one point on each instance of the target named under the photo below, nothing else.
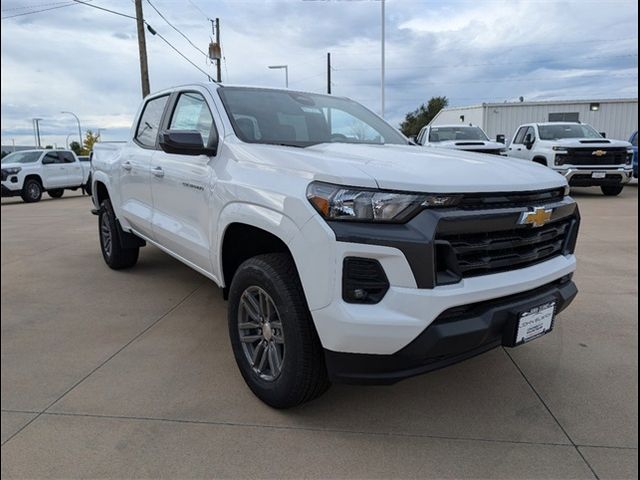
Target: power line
(200, 10)
(151, 29)
(36, 11)
(176, 29)
(104, 9)
(30, 7)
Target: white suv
(578, 152)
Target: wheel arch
(542, 160)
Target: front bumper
(456, 334)
(583, 176)
(8, 192)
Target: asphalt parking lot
(130, 374)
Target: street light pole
(286, 72)
(79, 128)
(382, 61)
(36, 128)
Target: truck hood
(405, 167)
(589, 142)
(13, 165)
(469, 145)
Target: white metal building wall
(617, 118)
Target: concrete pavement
(130, 374)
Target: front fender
(312, 246)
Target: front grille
(468, 255)
(585, 156)
(472, 201)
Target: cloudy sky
(75, 57)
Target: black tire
(31, 191)
(611, 190)
(87, 186)
(303, 375)
(114, 254)
(56, 192)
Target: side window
(50, 157)
(634, 140)
(149, 123)
(192, 113)
(66, 157)
(531, 131)
(519, 138)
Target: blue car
(634, 142)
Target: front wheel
(611, 190)
(273, 338)
(31, 191)
(114, 254)
(55, 193)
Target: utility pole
(329, 73)
(382, 63)
(36, 126)
(142, 48)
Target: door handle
(158, 172)
(127, 166)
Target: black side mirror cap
(500, 138)
(604, 134)
(184, 142)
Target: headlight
(335, 202)
(558, 148)
(12, 170)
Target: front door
(182, 185)
(53, 170)
(517, 148)
(72, 169)
(135, 164)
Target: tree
(421, 116)
(90, 139)
(75, 146)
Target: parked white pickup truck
(346, 253)
(459, 137)
(577, 151)
(29, 173)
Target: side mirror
(604, 134)
(500, 138)
(528, 141)
(184, 142)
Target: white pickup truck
(29, 173)
(347, 254)
(577, 151)
(459, 137)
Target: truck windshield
(283, 117)
(569, 130)
(22, 157)
(446, 134)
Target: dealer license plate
(599, 175)
(535, 322)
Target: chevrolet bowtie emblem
(599, 153)
(539, 217)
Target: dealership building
(618, 118)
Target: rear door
(135, 163)
(182, 185)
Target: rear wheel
(272, 334)
(31, 191)
(55, 193)
(114, 254)
(611, 190)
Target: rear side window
(192, 113)
(67, 157)
(519, 138)
(149, 124)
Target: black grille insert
(510, 199)
(468, 255)
(596, 156)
